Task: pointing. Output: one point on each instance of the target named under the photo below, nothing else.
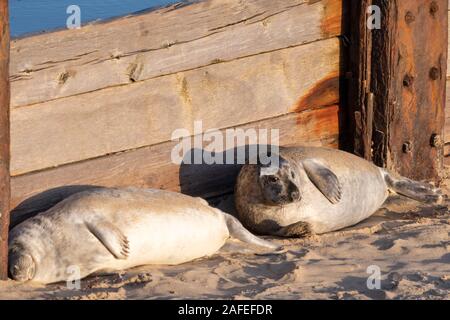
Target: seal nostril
(295, 195)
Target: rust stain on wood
(323, 93)
(331, 21)
(322, 122)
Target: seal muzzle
(22, 266)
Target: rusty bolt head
(434, 73)
(436, 140)
(408, 81)
(407, 147)
(434, 8)
(409, 17)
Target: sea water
(34, 16)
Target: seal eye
(292, 174)
(273, 179)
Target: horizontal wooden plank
(147, 112)
(152, 166)
(162, 42)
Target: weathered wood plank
(166, 41)
(408, 81)
(447, 119)
(4, 139)
(152, 166)
(358, 67)
(147, 112)
(447, 131)
(448, 53)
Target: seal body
(322, 189)
(104, 230)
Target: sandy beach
(408, 242)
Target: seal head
(279, 183)
(22, 266)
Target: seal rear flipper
(238, 231)
(296, 230)
(111, 237)
(415, 190)
(324, 179)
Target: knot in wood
(436, 141)
(407, 147)
(63, 77)
(408, 80)
(434, 73)
(409, 17)
(434, 8)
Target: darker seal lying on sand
(317, 190)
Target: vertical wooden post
(405, 86)
(4, 138)
(360, 99)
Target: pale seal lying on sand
(105, 230)
(313, 190)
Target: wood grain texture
(358, 68)
(147, 112)
(447, 120)
(448, 61)
(447, 104)
(408, 80)
(166, 41)
(152, 166)
(4, 139)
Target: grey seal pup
(314, 190)
(106, 229)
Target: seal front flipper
(296, 230)
(324, 179)
(111, 237)
(413, 189)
